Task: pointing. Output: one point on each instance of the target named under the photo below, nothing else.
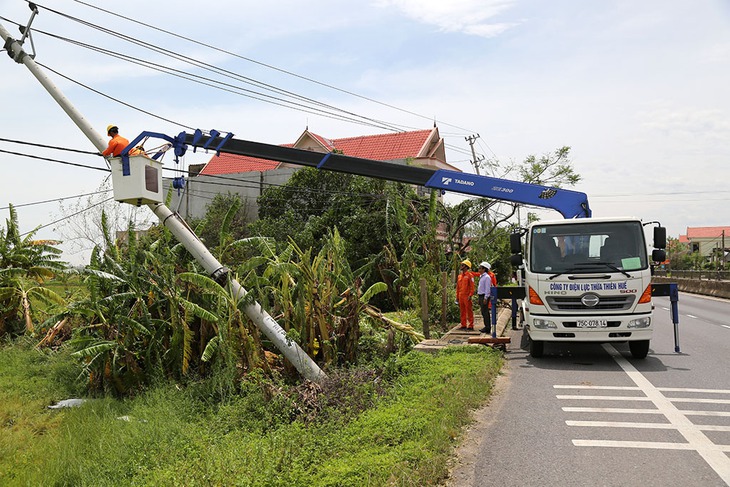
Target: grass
(169, 436)
(30, 380)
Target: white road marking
(605, 388)
(631, 388)
(694, 399)
(692, 316)
(640, 399)
(628, 424)
(643, 411)
(713, 454)
(725, 326)
(606, 398)
(703, 391)
(708, 450)
(613, 410)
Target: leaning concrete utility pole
(291, 350)
(475, 161)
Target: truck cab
(588, 280)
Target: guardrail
(706, 286)
(696, 275)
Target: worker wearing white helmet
(484, 292)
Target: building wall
(707, 246)
(200, 190)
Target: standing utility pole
(476, 160)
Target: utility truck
(587, 280)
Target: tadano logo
(465, 183)
(445, 181)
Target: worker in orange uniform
(464, 292)
(116, 144)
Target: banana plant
(136, 321)
(318, 299)
(25, 265)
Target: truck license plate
(592, 323)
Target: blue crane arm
(571, 204)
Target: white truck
(587, 280)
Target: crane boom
(570, 204)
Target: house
(707, 240)
(250, 176)
(423, 148)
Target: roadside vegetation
(396, 425)
(181, 388)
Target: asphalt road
(590, 415)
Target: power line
(241, 183)
(49, 146)
(269, 66)
(212, 68)
(115, 99)
(210, 82)
(67, 163)
(54, 200)
(66, 217)
(659, 194)
(219, 85)
(245, 184)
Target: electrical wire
(66, 217)
(209, 67)
(252, 185)
(79, 151)
(115, 99)
(269, 66)
(67, 163)
(21, 205)
(211, 82)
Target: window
(587, 248)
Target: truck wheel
(536, 348)
(639, 348)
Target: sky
(638, 90)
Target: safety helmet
(466, 262)
(485, 265)
(110, 127)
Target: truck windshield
(582, 248)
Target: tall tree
(313, 202)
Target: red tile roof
(325, 142)
(384, 147)
(381, 147)
(708, 232)
(230, 163)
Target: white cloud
(468, 16)
(706, 125)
